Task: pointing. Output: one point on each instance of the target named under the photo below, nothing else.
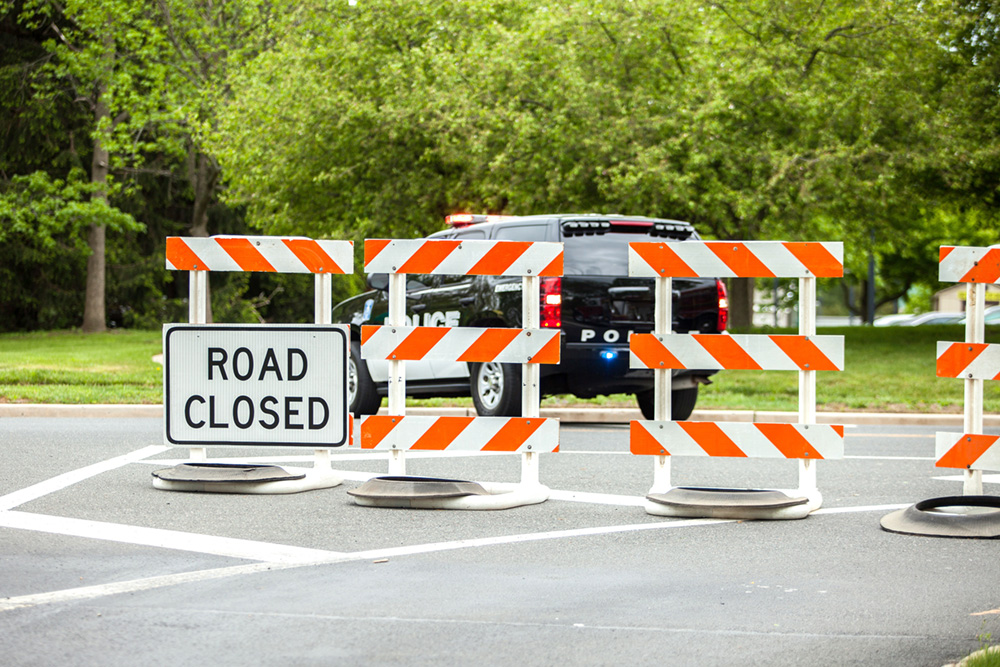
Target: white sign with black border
(237, 384)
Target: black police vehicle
(595, 303)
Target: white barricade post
(530, 346)
(972, 514)
(806, 353)
(255, 385)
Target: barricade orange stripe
(652, 352)
(727, 352)
(554, 268)
(642, 441)
(415, 346)
(442, 433)
(489, 345)
(312, 256)
(817, 259)
(986, 270)
(367, 331)
(663, 260)
(182, 257)
(245, 255)
(712, 439)
(804, 353)
(513, 434)
(957, 358)
(789, 441)
(499, 258)
(944, 252)
(373, 247)
(550, 353)
(966, 451)
(428, 256)
(374, 429)
(740, 260)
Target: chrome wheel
(352, 380)
(490, 384)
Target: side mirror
(379, 281)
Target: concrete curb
(593, 415)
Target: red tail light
(720, 287)
(550, 310)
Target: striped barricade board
(967, 450)
(736, 259)
(259, 253)
(737, 352)
(782, 441)
(464, 258)
(478, 434)
(963, 264)
(517, 346)
(971, 361)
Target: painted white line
(91, 592)
(987, 479)
(892, 458)
(166, 539)
(868, 508)
(35, 491)
(135, 585)
(598, 498)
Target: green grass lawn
(887, 369)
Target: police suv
(595, 303)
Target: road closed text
(255, 385)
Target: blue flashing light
(609, 355)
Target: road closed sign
(276, 385)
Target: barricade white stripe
(737, 439)
(963, 264)
(709, 259)
(967, 451)
(463, 257)
(382, 342)
(474, 436)
(275, 250)
(763, 350)
(970, 361)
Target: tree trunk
(94, 305)
(203, 173)
(741, 303)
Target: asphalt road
(99, 567)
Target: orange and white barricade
(530, 346)
(241, 385)
(805, 353)
(972, 514)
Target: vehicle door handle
(466, 300)
(417, 307)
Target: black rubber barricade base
(406, 487)
(688, 496)
(925, 518)
(234, 473)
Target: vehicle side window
(522, 232)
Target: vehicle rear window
(604, 252)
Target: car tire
(495, 389)
(362, 398)
(681, 403)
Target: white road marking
(60, 482)
(149, 583)
(167, 539)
